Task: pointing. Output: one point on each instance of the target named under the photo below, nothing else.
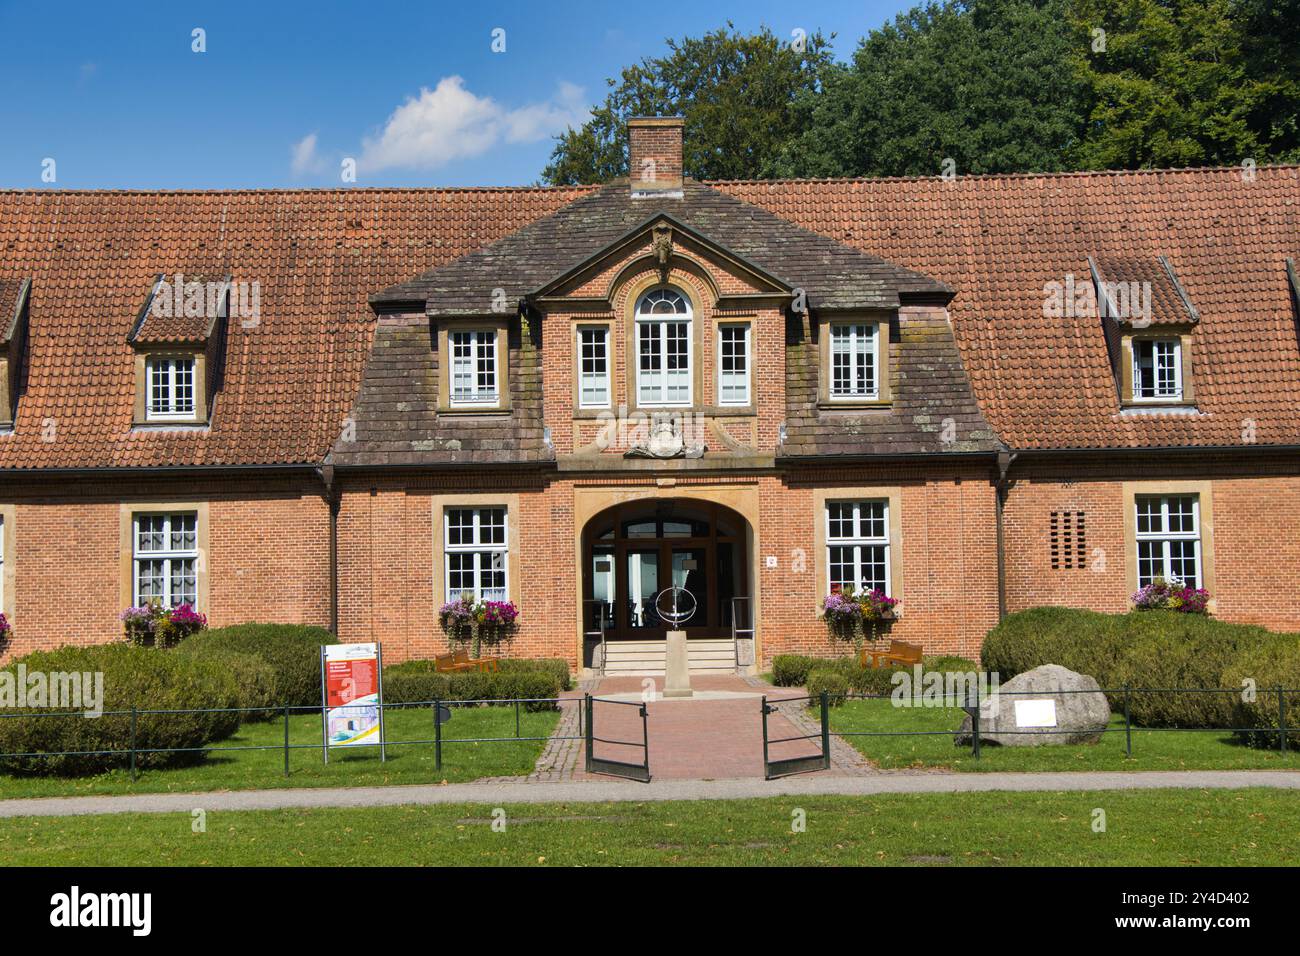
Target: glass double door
(650, 571)
(634, 551)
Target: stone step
(650, 658)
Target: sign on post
(352, 692)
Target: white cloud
(449, 122)
(305, 158)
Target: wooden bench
(461, 661)
(899, 652)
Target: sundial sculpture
(676, 606)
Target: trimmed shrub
(830, 680)
(1271, 666)
(791, 670)
(1083, 641)
(405, 684)
(1146, 649)
(255, 679)
(544, 665)
(292, 650)
(949, 662)
(144, 678)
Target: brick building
(344, 407)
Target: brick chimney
(655, 156)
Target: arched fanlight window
(663, 331)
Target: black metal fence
(972, 705)
(633, 770)
(785, 766)
(441, 710)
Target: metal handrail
(736, 631)
(603, 619)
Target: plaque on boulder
(1049, 705)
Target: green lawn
(356, 767)
(1152, 749)
(1147, 828)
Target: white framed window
(473, 367)
(733, 364)
(1157, 370)
(475, 552)
(166, 558)
(1169, 538)
(663, 335)
(170, 389)
(593, 366)
(855, 360)
(857, 545)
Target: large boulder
(1081, 710)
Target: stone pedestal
(677, 675)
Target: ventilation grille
(1069, 540)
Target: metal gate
(633, 770)
(803, 763)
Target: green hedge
(557, 668)
(140, 677)
(1141, 649)
(791, 670)
(404, 684)
(1270, 667)
(292, 650)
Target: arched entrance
(634, 550)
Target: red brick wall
(1256, 543)
(267, 557)
(1031, 581)
(948, 567)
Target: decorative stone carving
(661, 244)
(665, 441)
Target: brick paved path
(716, 735)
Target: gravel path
(501, 793)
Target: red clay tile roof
(290, 379)
(163, 323)
(1046, 382)
(10, 292)
(1139, 277)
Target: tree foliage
(972, 86)
(980, 84)
(737, 93)
(1169, 84)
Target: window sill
(180, 425)
(854, 405)
(1158, 408)
(463, 412)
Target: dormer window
(1157, 370)
(474, 366)
(854, 361)
(179, 341)
(171, 389)
(663, 335)
(1148, 321)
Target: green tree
(737, 92)
(1271, 46)
(1170, 84)
(985, 83)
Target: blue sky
(115, 95)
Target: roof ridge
(287, 191)
(1063, 174)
